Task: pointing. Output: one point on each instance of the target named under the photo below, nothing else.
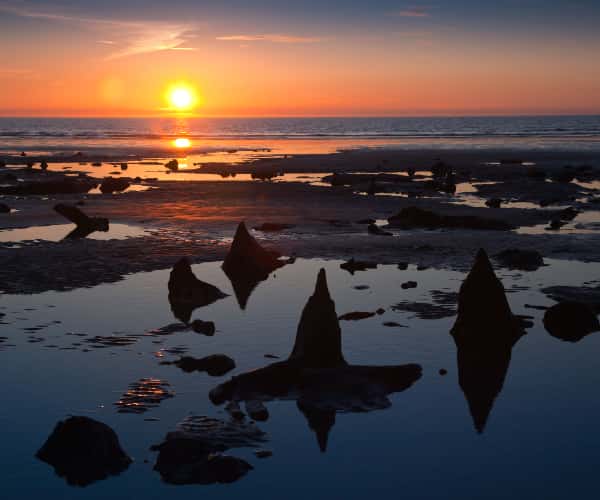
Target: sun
(181, 97)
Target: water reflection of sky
(540, 440)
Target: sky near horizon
(270, 58)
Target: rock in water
(414, 217)
(319, 337)
(172, 165)
(112, 184)
(83, 450)
(191, 454)
(85, 225)
(485, 332)
(483, 311)
(4, 209)
(525, 260)
(316, 374)
(571, 321)
(215, 365)
(186, 292)
(247, 263)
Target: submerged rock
(570, 321)
(192, 453)
(316, 374)
(112, 184)
(247, 263)
(83, 450)
(356, 316)
(413, 217)
(186, 292)
(85, 224)
(525, 260)
(172, 165)
(215, 365)
(485, 332)
(353, 266)
(270, 227)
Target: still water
(540, 441)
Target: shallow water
(540, 440)
(57, 232)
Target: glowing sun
(181, 97)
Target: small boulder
(525, 260)
(215, 365)
(204, 327)
(172, 165)
(112, 185)
(494, 202)
(570, 321)
(83, 450)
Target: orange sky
(72, 64)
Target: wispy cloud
(413, 12)
(272, 37)
(133, 37)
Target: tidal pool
(79, 352)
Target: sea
(148, 136)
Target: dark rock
(257, 410)
(111, 185)
(525, 260)
(215, 365)
(485, 332)
(409, 284)
(44, 165)
(555, 225)
(361, 287)
(587, 294)
(413, 217)
(4, 209)
(204, 327)
(568, 213)
(316, 374)
(376, 230)
(356, 316)
(266, 173)
(494, 202)
(269, 227)
(422, 267)
(172, 165)
(563, 176)
(318, 337)
(571, 321)
(536, 173)
(85, 225)
(263, 453)
(403, 266)
(380, 311)
(191, 454)
(353, 266)
(186, 292)
(83, 450)
(394, 324)
(443, 372)
(247, 263)
(124, 166)
(366, 221)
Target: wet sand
(197, 218)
